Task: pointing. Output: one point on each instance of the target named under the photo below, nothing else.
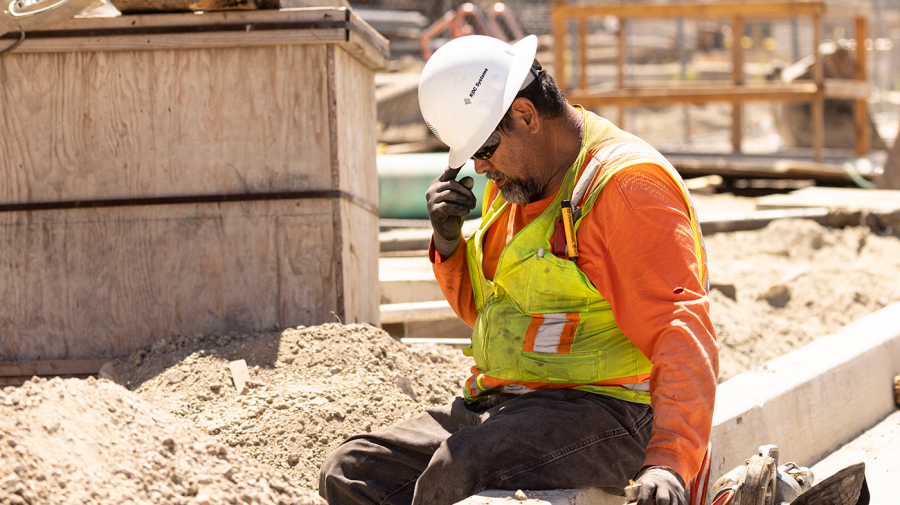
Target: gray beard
(519, 191)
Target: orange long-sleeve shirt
(636, 246)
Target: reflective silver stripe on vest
(643, 386)
(609, 153)
(550, 332)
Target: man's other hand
(449, 202)
(661, 486)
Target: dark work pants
(549, 439)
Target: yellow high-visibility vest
(541, 322)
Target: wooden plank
(737, 78)
(582, 53)
(127, 277)
(418, 311)
(367, 45)
(138, 21)
(211, 30)
(849, 9)
(861, 105)
(818, 105)
(181, 41)
(847, 199)
(130, 6)
(757, 167)
(890, 177)
(621, 58)
(761, 218)
(52, 367)
(356, 142)
(777, 9)
(560, 66)
(797, 92)
(162, 123)
(847, 89)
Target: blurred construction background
(692, 52)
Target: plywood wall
(168, 122)
(79, 283)
(356, 155)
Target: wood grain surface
(93, 283)
(135, 129)
(77, 126)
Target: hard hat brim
(523, 58)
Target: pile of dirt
(311, 388)
(89, 441)
(792, 282)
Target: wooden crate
(183, 173)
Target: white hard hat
(467, 86)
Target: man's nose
(481, 166)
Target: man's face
(515, 170)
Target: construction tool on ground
(763, 482)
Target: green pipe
(403, 180)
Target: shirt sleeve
(452, 276)
(637, 247)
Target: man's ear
(523, 110)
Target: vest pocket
(557, 285)
(576, 367)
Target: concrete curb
(808, 402)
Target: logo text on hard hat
(480, 79)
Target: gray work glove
(449, 202)
(662, 485)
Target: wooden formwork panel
(222, 180)
(91, 283)
(128, 124)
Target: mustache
(494, 174)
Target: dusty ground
(795, 281)
(88, 441)
(318, 386)
(184, 435)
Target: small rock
(201, 499)
(175, 376)
(728, 290)
(520, 495)
(778, 296)
(405, 385)
(317, 401)
(107, 371)
(293, 459)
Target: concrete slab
(879, 448)
(554, 497)
(848, 199)
(407, 279)
(810, 401)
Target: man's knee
(344, 465)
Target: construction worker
(595, 360)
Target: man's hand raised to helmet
(449, 202)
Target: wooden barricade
(737, 91)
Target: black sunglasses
(490, 146)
